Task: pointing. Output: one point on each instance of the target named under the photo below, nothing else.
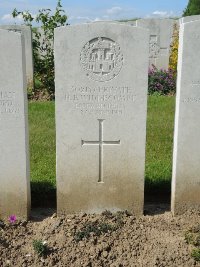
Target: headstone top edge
(11, 32)
(117, 25)
(189, 23)
(157, 19)
(15, 26)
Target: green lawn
(42, 151)
(160, 122)
(159, 145)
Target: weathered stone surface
(101, 97)
(186, 167)
(14, 157)
(161, 31)
(27, 33)
(189, 18)
(131, 22)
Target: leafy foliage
(162, 82)
(193, 8)
(173, 59)
(43, 44)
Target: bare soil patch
(107, 240)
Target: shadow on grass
(158, 191)
(157, 196)
(43, 194)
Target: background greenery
(193, 8)
(160, 122)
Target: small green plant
(119, 218)
(189, 238)
(196, 254)
(192, 237)
(108, 214)
(40, 247)
(96, 228)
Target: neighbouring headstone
(101, 100)
(26, 31)
(14, 156)
(161, 32)
(186, 157)
(189, 18)
(131, 22)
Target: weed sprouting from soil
(192, 237)
(95, 228)
(196, 254)
(40, 247)
(110, 223)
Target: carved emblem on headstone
(154, 48)
(101, 59)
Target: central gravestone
(101, 98)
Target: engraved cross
(101, 143)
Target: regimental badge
(101, 59)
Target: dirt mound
(110, 240)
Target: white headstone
(101, 99)
(186, 161)
(27, 33)
(131, 22)
(14, 156)
(161, 32)
(189, 18)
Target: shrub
(193, 8)
(173, 59)
(162, 82)
(43, 44)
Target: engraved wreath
(101, 59)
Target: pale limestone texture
(186, 157)
(131, 22)
(14, 157)
(161, 32)
(27, 33)
(101, 100)
(189, 18)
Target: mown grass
(160, 123)
(159, 145)
(42, 151)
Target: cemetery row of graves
(101, 91)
